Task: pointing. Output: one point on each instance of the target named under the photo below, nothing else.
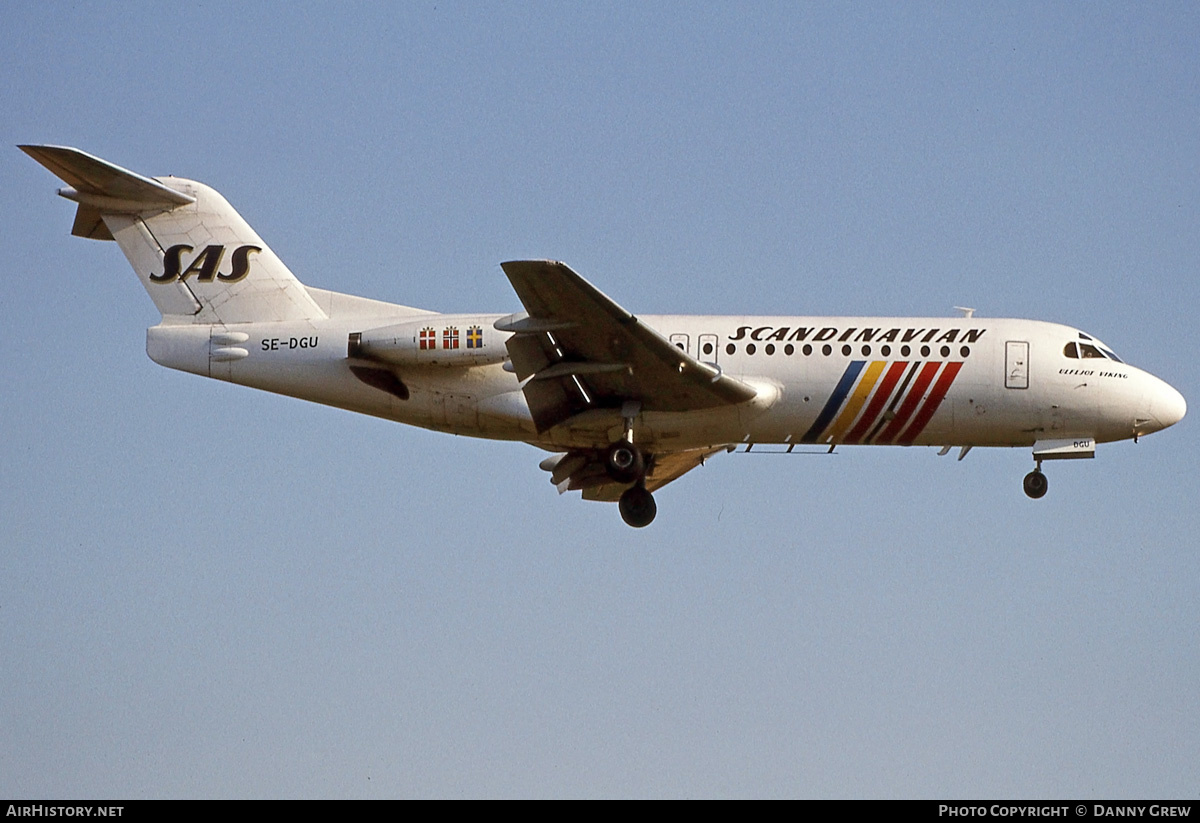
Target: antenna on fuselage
(965, 311)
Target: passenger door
(1016, 364)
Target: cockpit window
(1093, 349)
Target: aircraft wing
(583, 352)
(584, 470)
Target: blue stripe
(835, 401)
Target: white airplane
(625, 404)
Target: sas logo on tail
(205, 264)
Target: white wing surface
(584, 352)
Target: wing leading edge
(582, 351)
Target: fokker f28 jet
(624, 404)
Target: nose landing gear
(1062, 448)
(1036, 483)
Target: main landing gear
(637, 506)
(1036, 483)
(625, 463)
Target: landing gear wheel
(624, 462)
(638, 507)
(1036, 484)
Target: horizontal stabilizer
(104, 183)
(99, 187)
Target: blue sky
(218, 592)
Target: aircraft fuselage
(825, 380)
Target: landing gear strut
(1036, 483)
(625, 463)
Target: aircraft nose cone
(1167, 405)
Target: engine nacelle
(433, 340)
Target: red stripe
(931, 405)
(910, 403)
(894, 373)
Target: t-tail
(199, 261)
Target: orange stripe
(877, 402)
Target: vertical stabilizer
(199, 261)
